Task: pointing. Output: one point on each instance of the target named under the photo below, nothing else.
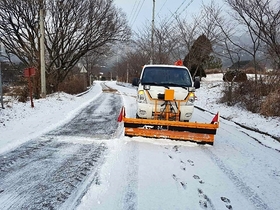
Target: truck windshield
(166, 76)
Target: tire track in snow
(248, 192)
(47, 178)
(97, 120)
(47, 173)
(130, 196)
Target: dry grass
(73, 85)
(20, 93)
(261, 97)
(271, 107)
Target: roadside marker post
(30, 72)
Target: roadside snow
(208, 96)
(19, 122)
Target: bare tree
(19, 29)
(188, 32)
(130, 62)
(93, 62)
(73, 29)
(207, 23)
(225, 31)
(263, 19)
(201, 23)
(142, 42)
(166, 40)
(260, 22)
(226, 47)
(138, 52)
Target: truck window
(166, 76)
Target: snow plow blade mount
(188, 131)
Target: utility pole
(152, 34)
(127, 67)
(42, 52)
(1, 87)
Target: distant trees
(73, 28)
(129, 65)
(173, 40)
(166, 40)
(138, 52)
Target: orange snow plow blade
(187, 131)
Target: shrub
(22, 93)
(5, 89)
(270, 107)
(235, 76)
(73, 85)
(261, 97)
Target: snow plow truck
(165, 105)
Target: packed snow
(133, 163)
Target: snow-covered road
(55, 170)
(236, 173)
(88, 165)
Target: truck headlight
(191, 98)
(141, 97)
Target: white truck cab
(154, 80)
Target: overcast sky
(139, 12)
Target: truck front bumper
(147, 111)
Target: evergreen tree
(198, 56)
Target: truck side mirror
(197, 83)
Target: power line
(178, 8)
(186, 7)
(161, 7)
(138, 11)
(175, 13)
(172, 14)
(131, 12)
